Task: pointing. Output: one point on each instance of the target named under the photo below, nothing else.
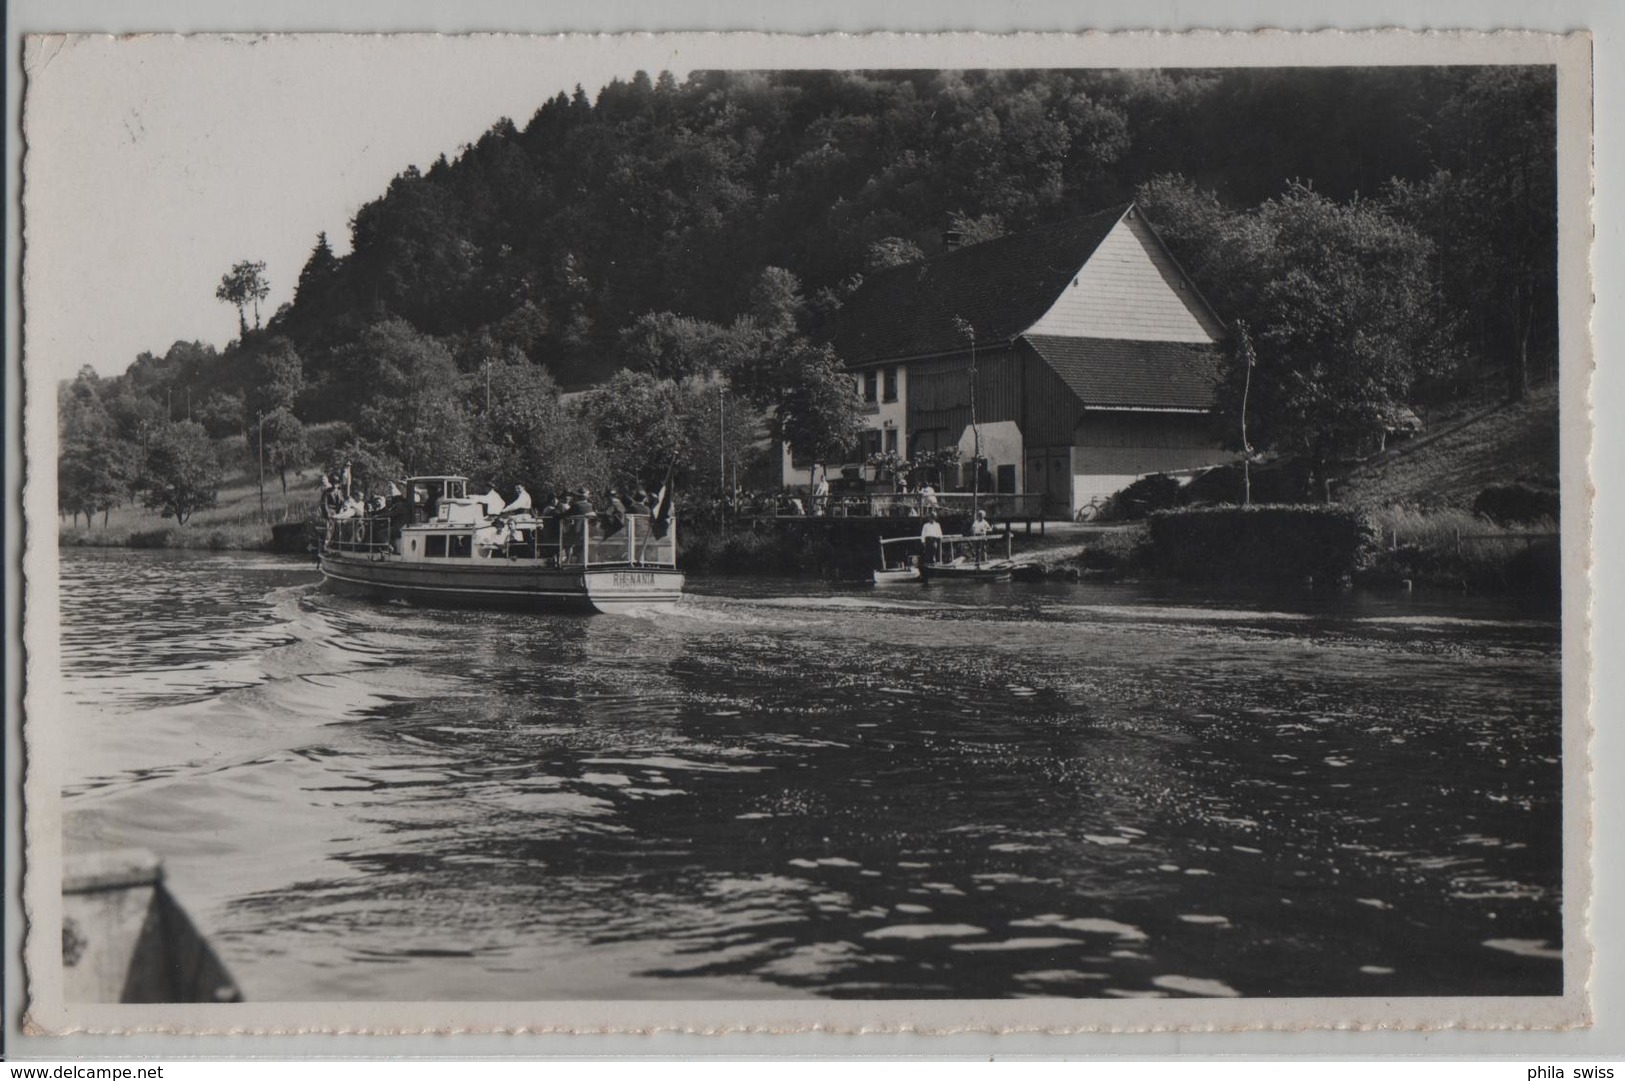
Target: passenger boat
(437, 545)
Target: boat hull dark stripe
(510, 586)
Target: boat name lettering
(634, 578)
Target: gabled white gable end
(1130, 289)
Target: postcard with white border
(731, 532)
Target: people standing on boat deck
(931, 537)
(521, 501)
(332, 497)
(614, 513)
(981, 527)
(639, 504)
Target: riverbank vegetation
(233, 523)
(641, 286)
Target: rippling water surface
(783, 789)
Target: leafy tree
(276, 378)
(94, 477)
(891, 251)
(242, 285)
(320, 273)
(413, 413)
(530, 437)
(1341, 301)
(670, 346)
(1491, 210)
(281, 435)
(221, 413)
(638, 420)
(181, 474)
(818, 416)
(720, 439)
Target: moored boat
(967, 558)
(437, 545)
(899, 561)
(951, 558)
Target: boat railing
(588, 541)
(977, 544)
(633, 543)
(360, 535)
(581, 540)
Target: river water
(782, 788)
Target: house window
(891, 385)
(871, 442)
(870, 378)
(434, 545)
(891, 440)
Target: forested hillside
(716, 225)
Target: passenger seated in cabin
(931, 537)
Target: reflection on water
(783, 789)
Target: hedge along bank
(1261, 543)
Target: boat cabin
(438, 522)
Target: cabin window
(891, 385)
(434, 545)
(460, 546)
(870, 379)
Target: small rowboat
(900, 559)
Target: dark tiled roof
(1000, 286)
(1117, 372)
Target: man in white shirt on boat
(521, 501)
(931, 537)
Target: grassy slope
(1450, 465)
(234, 521)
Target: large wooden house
(1096, 359)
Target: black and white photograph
(706, 531)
